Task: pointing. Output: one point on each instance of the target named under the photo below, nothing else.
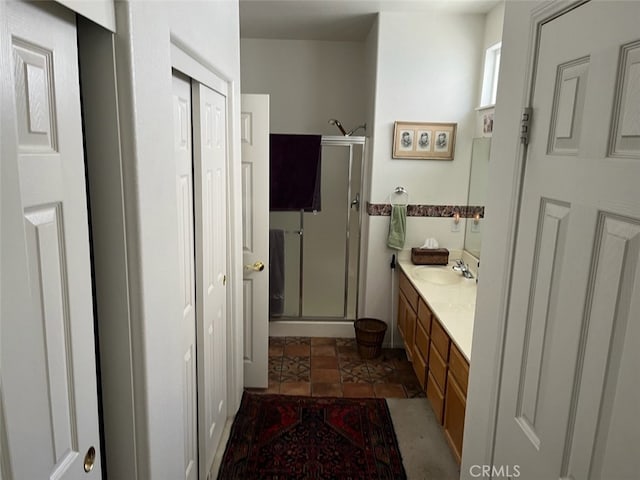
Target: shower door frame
(350, 142)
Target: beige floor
(425, 453)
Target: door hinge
(525, 125)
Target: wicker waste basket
(369, 336)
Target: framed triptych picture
(424, 141)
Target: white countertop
(453, 304)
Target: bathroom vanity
(435, 319)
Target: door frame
(507, 167)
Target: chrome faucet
(460, 266)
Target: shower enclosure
(322, 249)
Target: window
(491, 72)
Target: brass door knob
(89, 459)
(256, 267)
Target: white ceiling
(344, 20)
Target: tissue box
(429, 256)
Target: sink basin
(438, 276)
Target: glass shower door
(322, 248)
(289, 222)
(323, 254)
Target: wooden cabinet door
(454, 408)
(406, 324)
(410, 329)
(402, 314)
(421, 342)
(438, 367)
(435, 396)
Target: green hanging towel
(397, 227)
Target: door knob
(89, 459)
(256, 267)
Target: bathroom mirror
(477, 193)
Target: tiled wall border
(465, 211)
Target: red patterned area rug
(278, 437)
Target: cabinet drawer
(424, 316)
(436, 398)
(437, 368)
(440, 339)
(421, 343)
(459, 367)
(409, 291)
(420, 367)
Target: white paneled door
(200, 154)
(183, 158)
(210, 180)
(570, 387)
(48, 407)
(255, 237)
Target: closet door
(183, 157)
(48, 402)
(210, 160)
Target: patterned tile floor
(332, 367)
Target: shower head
(333, 121)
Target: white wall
(492, 35)
(371, 77)
(428, 67)
(370, 70)
(308, 81)
(209, 31)
(493, 26)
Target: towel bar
(399, 192)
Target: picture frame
(424, 140)
(487, 123)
